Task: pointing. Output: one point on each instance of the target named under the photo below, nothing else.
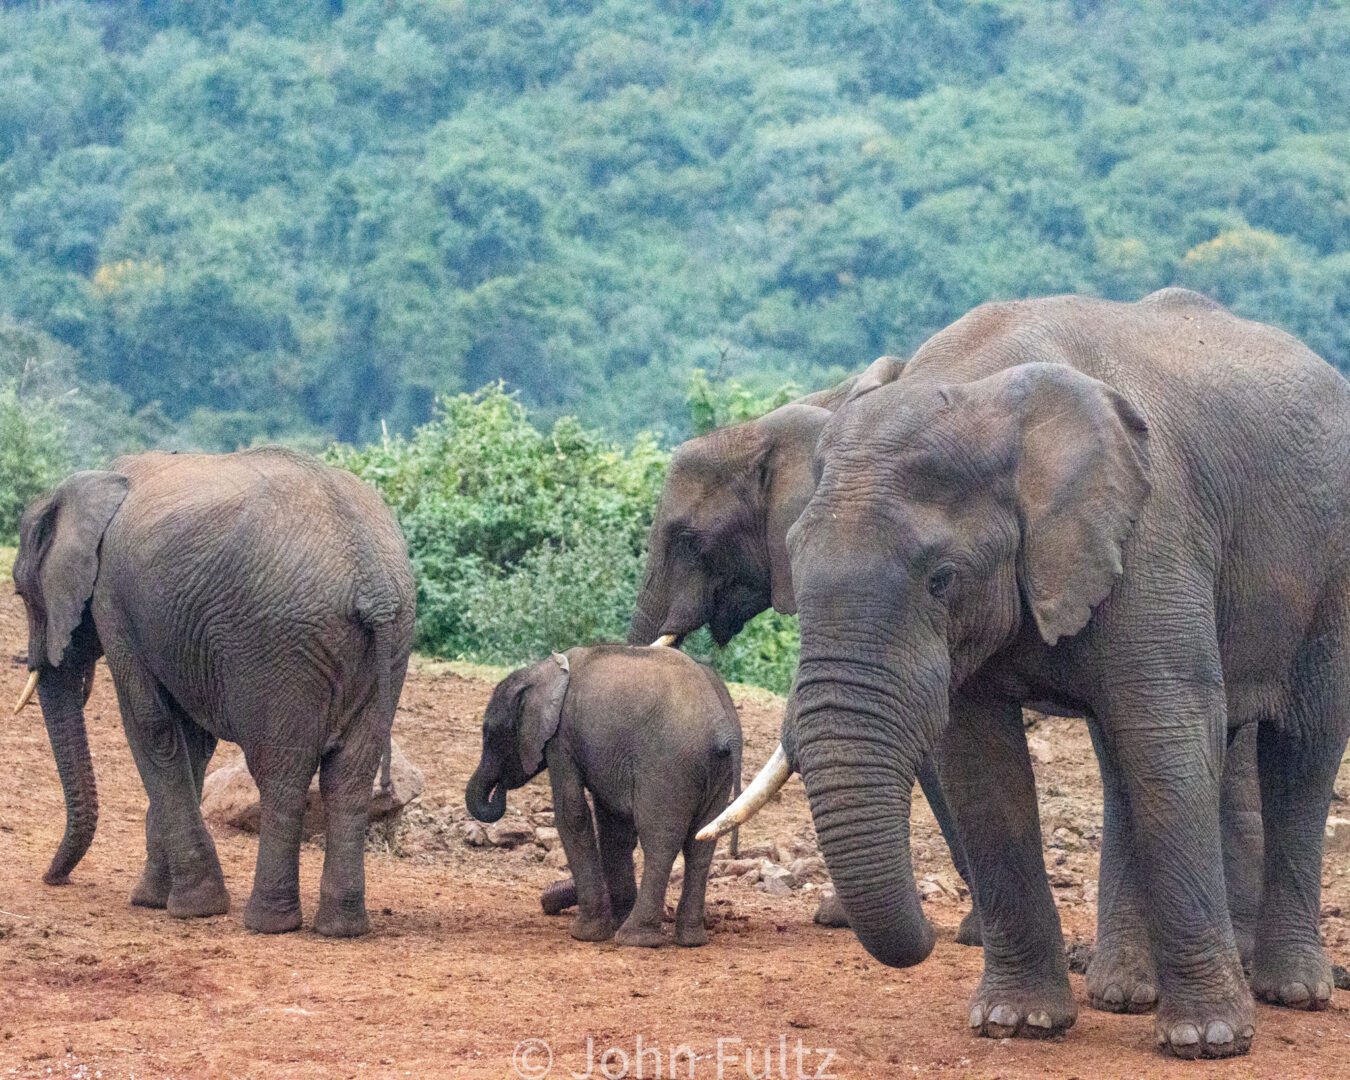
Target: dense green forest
(332, 223)
(298, 220)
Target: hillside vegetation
(332, 223)
(267, 219)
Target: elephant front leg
(1120, 977)
(594, 920)
(969, 932)
(182, 871)
(1166, 737)
(152, 890)
(986, 773)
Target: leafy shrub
(521, 539)
(32, 456)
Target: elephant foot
(1035, 1012)
(830, 911)
(332, 920)
(1296, 977)
(152, 891)
(970, 932)
(266, 919)
(558, 897)
(1207, 1029)
(691, 936)
(1121, 978)
(590, 928)
(641, 937)
(205, 897)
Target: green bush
(32, 456)
(522, 540)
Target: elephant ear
(541, 709)
(882, 370)
(1082, 479)
(58, 558)
(786, 485)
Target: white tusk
(665, 641)
(759, 791)
(26, 695)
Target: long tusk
(759, 791)
(26, 695)
(665, 641)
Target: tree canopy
(303, 220)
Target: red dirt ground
(462, 966)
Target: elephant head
(521, 717)
(945, 519)
(717, 552)
(54, 572)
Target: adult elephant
(259, 597)
(717, 550)
(1139, 513)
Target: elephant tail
(380, 627)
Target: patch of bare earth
(463, 967)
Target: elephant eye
(687, 544)
(940, 581)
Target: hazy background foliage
(229, 223)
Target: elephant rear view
(654, 738)
(259, 597)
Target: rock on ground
(230, 797)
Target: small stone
(1340, 977)
(546, 837)
(810, 868)
(733, 867)
(830, 911)
(775, 880)
(475, 834)
(510, 834)
(1337, 834)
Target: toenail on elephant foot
(1199, 1038)
(970, 932)
(996, 1016)
(1121, 980)
(1301, 980)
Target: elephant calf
(259, 597)
(655, 739)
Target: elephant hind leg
(283, 775)
(691, 927)
(346, 777)
(182, 869)
(1297, 759)
(618, 838)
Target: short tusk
(759, 791)
(26, 695)
(665, 641)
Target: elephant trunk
(61, 691)
(648, 614)
(858, 741)
(485, 796)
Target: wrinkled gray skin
(654, 737)
(258, 597)
(1002, 526)
(717, 551)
